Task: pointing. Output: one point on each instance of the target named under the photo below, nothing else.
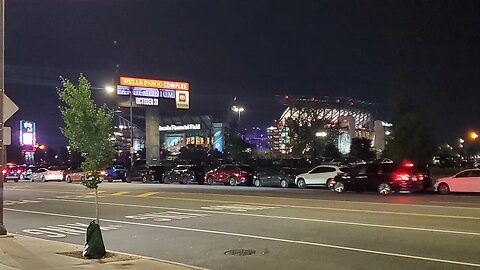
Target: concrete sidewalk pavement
(29, 253)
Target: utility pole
(3, 230)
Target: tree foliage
(304, 139)
(412, 136)
(362, 148)
(88, 128)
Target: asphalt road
(287, 228)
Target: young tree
(88, 130)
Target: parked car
(145, 173)
(116, 172)
(384, 178)
(27, 172)
(231, 174)
(319, 176)
(12, 172)
(464, 181)
(44, 174)
(78, 175)
(285, 178)
(184, 174)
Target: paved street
(287, 228)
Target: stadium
(352, 117)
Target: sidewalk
(29, 253)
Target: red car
(231, 174)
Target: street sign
(9, 108)
(7, 136)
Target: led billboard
(27, 133)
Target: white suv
(319, 176)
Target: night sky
(254, 50)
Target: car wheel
(166, 180)
(301, 183)
(339, 187)
(44, 179)
(209, 180)
(257, 183)
(284, 183)
(69, 180)
(144, 179)
(443, 189)
(232, 181)
(15, 180)
(128, 180)
(185, 180)
(330, 183)
(109, 178)
(384, 189)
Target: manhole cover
(240, 252)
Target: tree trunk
(96, 206)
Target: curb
(12, 235)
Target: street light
(239, 110)
(109, 89)
(473, 135)
(322, 134)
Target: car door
(459, 182)
(38, 174)
(320, 174)
(473, 183)
(218, 175)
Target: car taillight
(420, 177)
(4, 171)
(19, 171)
(103, 173)
(401, 177)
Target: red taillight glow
(19, 171)
(401, 177)
(103, 173)
(407, 164)
(4, 171)
(420, 177)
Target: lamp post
(239, 110)
(131, 127)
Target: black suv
(185, 174)
(145, 173)
(385, 178)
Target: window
(475, 173)
(323, 170)
(463, 174)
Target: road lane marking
(251, 236)
(98, 191)
(19, 202)
(284, 217)
(313, 207)
(146, 194)
(63, 230)
(237, 207)
(322, 208)
(322, 200)
(166, 216)
(287, 198)
(120, 193)
(78, 196)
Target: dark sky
(253, 49)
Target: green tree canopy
(87, 127)
(412, 135)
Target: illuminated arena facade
(353, 118)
